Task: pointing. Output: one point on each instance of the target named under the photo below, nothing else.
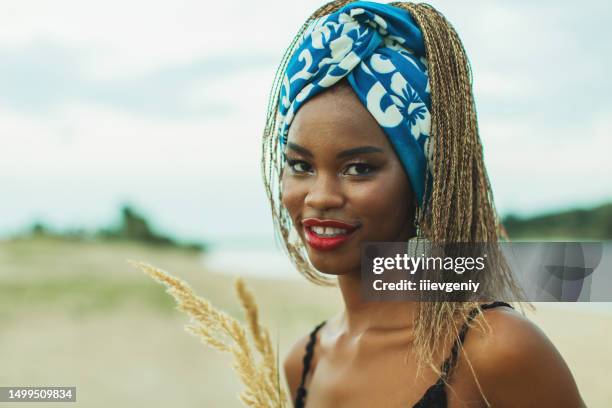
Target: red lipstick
(326, 235)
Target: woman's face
(341, 167)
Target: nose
(325, 192)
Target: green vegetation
(80, 296)
(594, 223)
(81, 278)
(76, 312)
(132, 226)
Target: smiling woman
(372, 136)
(339, 160)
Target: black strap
(450, 362)
(446, 368)
(301, 391)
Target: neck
(360, 316)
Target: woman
(372, 136)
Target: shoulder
(517, 365)
(293, 364)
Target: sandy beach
(79, 314)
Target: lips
(326, 235)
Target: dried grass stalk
(257, 369)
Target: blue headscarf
(381, 52)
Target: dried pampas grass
(258, 369)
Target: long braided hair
(460, 208)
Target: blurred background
(132, 130)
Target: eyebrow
(344, 153)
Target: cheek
(383, 204)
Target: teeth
(328, 231)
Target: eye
(359, 169)
(298, 166)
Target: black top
(435, 396)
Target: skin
(362, 355)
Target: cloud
(42, 77)
(91, 140)
(537, 166)
(164, 103)
(131, 37)
(536, 60)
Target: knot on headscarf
(381, 52)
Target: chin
(329, 264)
(332, 272)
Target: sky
(162, 105)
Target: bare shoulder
(517, 364)
(293, 364)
